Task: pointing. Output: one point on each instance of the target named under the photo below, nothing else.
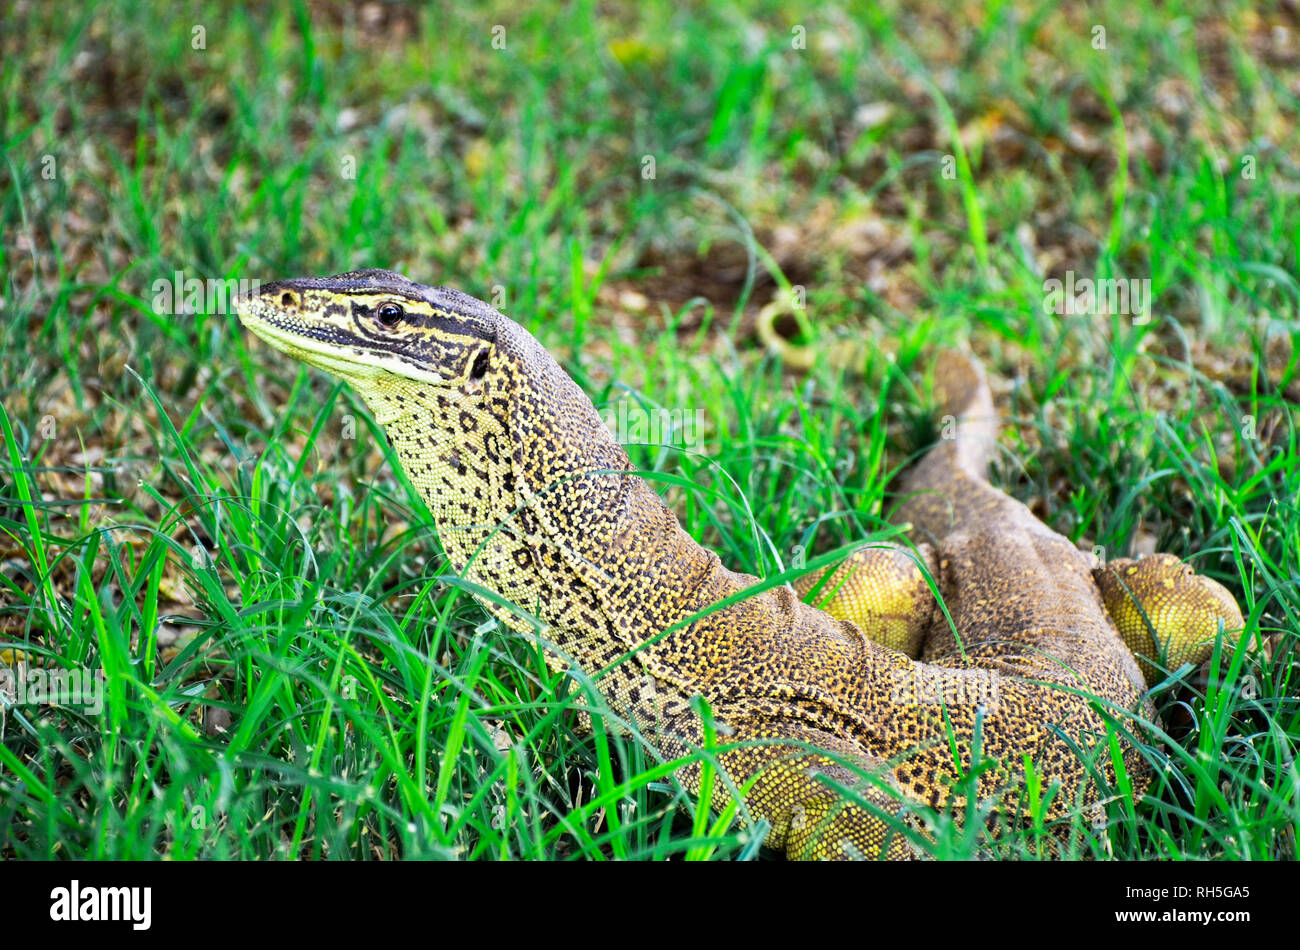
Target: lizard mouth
(299, 342)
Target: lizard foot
(1166, 612)
(882, 589)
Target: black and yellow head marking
(363, 324)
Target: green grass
(293, 669)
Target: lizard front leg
(883, 590)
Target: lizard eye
(390, 315)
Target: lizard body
(535, 500)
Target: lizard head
(374, 327)
(1166, 612)
(435, 364)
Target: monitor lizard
(832, 736)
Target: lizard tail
(966, 415)
(948, 489)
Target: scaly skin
(534, 500)
(1167, 614)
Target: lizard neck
(532, 497)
